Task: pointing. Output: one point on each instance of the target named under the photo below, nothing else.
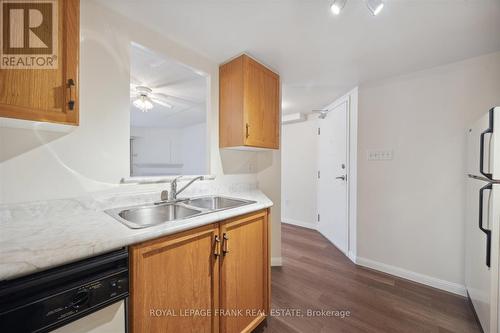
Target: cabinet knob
(247, 132)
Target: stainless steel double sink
(148, 215)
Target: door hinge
(319, 217)
(319, 131)
(319, 174)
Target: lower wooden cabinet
(213, 278)
(244, 273)
(172, 275)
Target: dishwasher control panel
(94, 294)
(42, 303)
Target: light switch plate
(380, 155)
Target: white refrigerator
(482, 218)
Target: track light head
(337, 6)
(375, 6)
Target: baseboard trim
(451, 287)
(298, 223)
(276, 261)
(351, 255)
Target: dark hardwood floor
(316, 275)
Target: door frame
(351, 98)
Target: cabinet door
(261, 105)
(171, 276)
(231, 114)
(244, 272)
(40, 82)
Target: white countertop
(39, 235)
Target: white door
(332, 182)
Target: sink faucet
(172, 195)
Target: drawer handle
(247, 132)
(225, 244)
(216, 246)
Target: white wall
(194, 155)
(95, 154)
(269, 181)
(36, 166)
(299, 172)
(156, 151)
(169, 151)
(411, 209)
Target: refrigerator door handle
(481, 147)
(486, 231)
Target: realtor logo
(29, 34)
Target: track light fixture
(337, 6)
(375, 6)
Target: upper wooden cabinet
(39, 61)
(249, 105)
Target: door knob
(341, 177)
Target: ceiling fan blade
(134, 81)
(175, 99)
(164, 84)
(175, 82)
(162, 103)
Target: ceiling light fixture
(375, 6)
(143, 103)
(337, 6)
(144, 99)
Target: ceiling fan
(144, 99)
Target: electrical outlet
(380, 155)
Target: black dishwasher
(44, 301)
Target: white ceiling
(318, 55)
(177, 85)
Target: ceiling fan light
(375, 6)
(337, 6)
(148, 105)
(143, 103)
